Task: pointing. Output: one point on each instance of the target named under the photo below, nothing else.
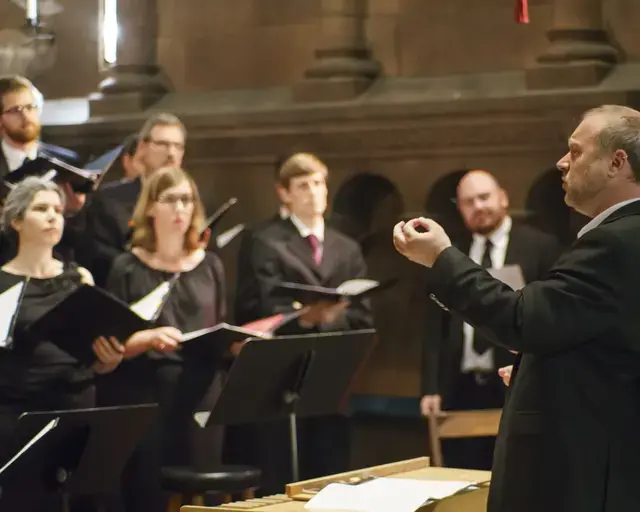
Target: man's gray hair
(21, 196)
(621, 132)
(160, 119)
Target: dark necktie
(316, 247)
(481, 345)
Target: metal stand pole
(293, 430)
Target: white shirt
(602, 216)
(471, 360)
(15, 157)
(305, 231)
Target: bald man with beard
(460, 369)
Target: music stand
(299, 376)
(70, 453)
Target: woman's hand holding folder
(110, 354)
(162, 339)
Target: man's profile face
(20, 118)
(482, 202)
(584, 166)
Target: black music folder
(85, 314)
(353, 289)
(61, 454)
(309, 375)
(81, 180)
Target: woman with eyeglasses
(35, 374)
(166, 246)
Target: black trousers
(178, 388)
(473, 391)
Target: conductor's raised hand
(420, 240)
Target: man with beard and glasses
(20, 126)
(459, 370)
(161, 143)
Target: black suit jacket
(568, 436)
(279, 253)
(247, 300)
(108, 217)
(530, 248)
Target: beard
(27, 133)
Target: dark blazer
(279, 253)
(568, 436)
(247, 300)
(108, 216)
(442, 352)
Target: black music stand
(295, 376)
(64, 454)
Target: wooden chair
(457, 424)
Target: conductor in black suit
(301, 249)
(568, 436)
(161, 143)
(459, 370)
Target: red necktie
(317, 248)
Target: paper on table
(382, 495)
(511, 275)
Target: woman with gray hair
(35, 374)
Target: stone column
(134, 81)
(344, 67)
(579, 53)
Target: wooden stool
(187, 484)
(456, 424)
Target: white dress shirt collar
(602, 216)
(500, 237)
(15, 157)
(305, 231)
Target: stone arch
(365, 204)
(547, 209)
(440, 202)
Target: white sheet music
(382, 495)
(224, 238)
(510, 275)
(9, 300)
(356, 286)
(148, 306)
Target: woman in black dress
(35, 374)
(166, 247)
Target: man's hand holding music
(420, 240)
(324, 312)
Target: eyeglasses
(21, 109)
(167, 144)
(173, 200)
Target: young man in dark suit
(301, 249)
(569, 431)
(161, 143)
(459, 369)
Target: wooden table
(298, 493)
